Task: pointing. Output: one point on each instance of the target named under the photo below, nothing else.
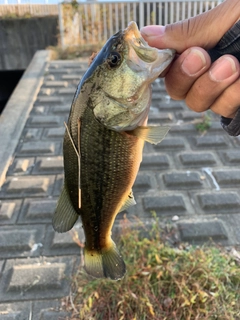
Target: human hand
(191, 76)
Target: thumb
(204, 30)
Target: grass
(205, 123)
(162, 282)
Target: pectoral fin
(151, 134)
(130, 201)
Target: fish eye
(114, 59)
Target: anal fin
(65, 215)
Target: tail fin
(104, 263)
(65, 215)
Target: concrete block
(32, 134)
(54, 133)
(183, 180)
(202, 231)
(64, 243)
(16, 241)
(210, 141)
(9, 210)
(50, 100)
(227, 178)
(171, 144)
(27, 186)
(155, 161)
(165, 204)
(48, 165)
(219, 201)
(48, 310)
(231, 157)
(15, 311)
(34, 148)
(143, 182)
(45, 121)
(36, 278)
(37, 211)
(55, 84)
(197, 159)
(63, 109)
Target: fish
(103, 144)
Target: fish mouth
(142, 56)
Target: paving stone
(155, 161)
(35, 148)
(18, 242)
(64, 109)
(50, 77)
(199, 231)
(47, 91)
(55, 84)
(32, 134)
(36, 278)
(28, 186)
(9, 210)
(63, 243)
(210, 141)
(183, 180)
(15, 311)
(143, 182)
(48, 165)
(48, 310)
(45, 121)
(171, 144)
(67, 91)
(219, 201)
(39, 110)
(56, 133)
(231, 156)
(71, 77)
(37, 211)
(227, 178)
(192, 159)
(165, 204)
(51, 100)
(21, 166)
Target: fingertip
(152, 34)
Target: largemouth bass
(103, 144)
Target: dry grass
(162, 282)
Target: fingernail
(223, 68)
(193, 62)
(152, 31)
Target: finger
(204, 30)
(208, 87)
(191, 64)
(228, 102)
